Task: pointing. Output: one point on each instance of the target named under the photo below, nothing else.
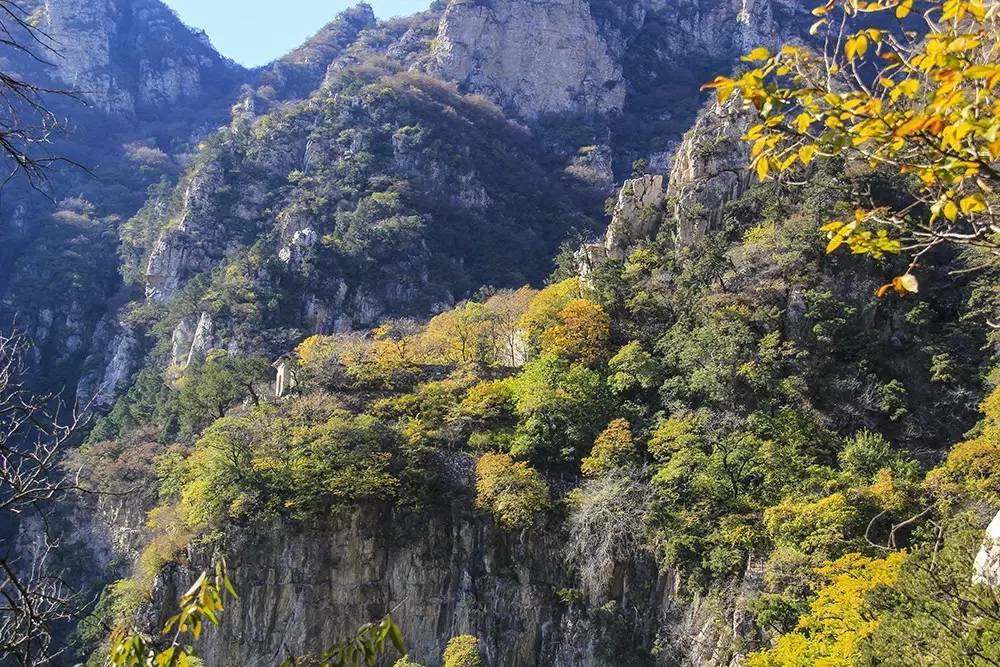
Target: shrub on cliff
(514, 493)
(462, 651)
(614, 448)
(406, 662)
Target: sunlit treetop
(903, 84)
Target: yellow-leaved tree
(839, 618)
(909, 85)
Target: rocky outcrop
(303, 587)
(116, 355)
(531, 58)
(709, 170)
(986, 568)
(637, 215)
(129, 56)
(191, 339)
(599, 57)
(195, 242)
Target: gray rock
(532, 58)
(129, 56)
(709, 170)
(114, 359)
(454, 573)
(637, 215)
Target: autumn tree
(462, 651)
(919, 98)
(613, 449)
(510, 490)
(839, 618)
(543, 311)
(508, 307)
(464, 335)
(580, 333)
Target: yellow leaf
(802, 122)
(972, 204)
(850, 48)
(834, 243)
(903, 9)
(806, 153)
(762, 168)
(862, 45)
(906, 283)
(758, 54)
(909, 127)
(950, 210)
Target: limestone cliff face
(532, 58)
(303, 587)
(709, 170)
(598, 57)
(129, 56)
(637, 215)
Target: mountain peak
(134, 56)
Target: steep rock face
(637, 215)
(532, 58)
(301, 588)
(719, 29)
(709, 170)
(194, 243)
(600, 57)
(115, 357)
(129, 56)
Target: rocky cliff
(707, 171)
(303, 587)
(598, 57)
(531, 58)
(129, 56)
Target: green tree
(209, 389)
(632, 369)
(561, 408)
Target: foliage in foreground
(919, 98)
(202, 605)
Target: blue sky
(255, 32)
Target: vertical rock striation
(531, 58)
(134, 56)
(302, 588)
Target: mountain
(133, 57)
(499, 245)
